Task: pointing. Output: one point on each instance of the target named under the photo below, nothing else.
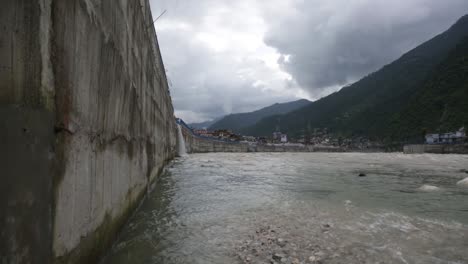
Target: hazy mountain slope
(236, 122)
(206, 124)
(367, 106)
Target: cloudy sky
(227, 56)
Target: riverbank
(199, 144)
(436, 149)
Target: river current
(302, 208)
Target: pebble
(281, 242)
(265, 246)
(278, 256)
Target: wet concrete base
(27, 138)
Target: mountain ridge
(205, 124)
(366, 106)
(236, 122)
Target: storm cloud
(226, 56)
(338, 42)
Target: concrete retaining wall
(87, 124)
(195, 144)
(436, 149)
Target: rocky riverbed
(271, 244)
(357, 237)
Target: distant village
(317, 137)
(321, 137)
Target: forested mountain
(236, 122)
(382, 105)
(441, 104)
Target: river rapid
(302, 208)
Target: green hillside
(440, 105)
(370, 106)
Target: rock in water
(362, 175)
(278, 256)
(428, 188)
(463, 182)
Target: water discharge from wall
(182, 151)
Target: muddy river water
(302, 208)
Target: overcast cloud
(225, 56)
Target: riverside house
(447, 138)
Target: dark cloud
(226, 56)
(337, 42)
(216, 59)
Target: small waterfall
(182, 151)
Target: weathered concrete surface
(436, 149)
(26, 146)
(26, 137)
(87, 124)
(199, 145)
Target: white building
(276, 135)
(447, 138)
(284, 138)
(432, 138)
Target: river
(301, 208)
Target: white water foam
(463, 182)
(182, 151)
(428, 188)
